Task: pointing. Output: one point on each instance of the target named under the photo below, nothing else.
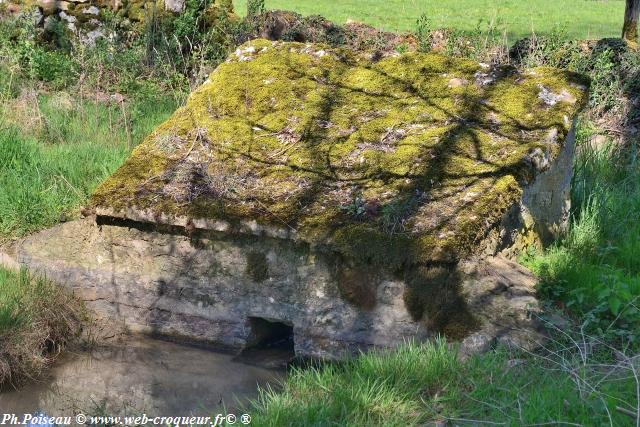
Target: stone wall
(86, 18)
(205, 288)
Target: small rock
(69, 18)
(90, 38)
(175, 6)
(476, 344)
(91, 10)
(118, 98)
(38, 17)
(538, 158)
(456, 82)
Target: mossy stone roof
(411, 158)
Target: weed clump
(37, 320)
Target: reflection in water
(155, 377)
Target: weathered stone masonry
(361, 202)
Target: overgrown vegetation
(37, 320)
(595, 271)
(55, 148)
(572, 382)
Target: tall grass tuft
(37, 320)
(595, 270)
(576, 379)
(377, 388)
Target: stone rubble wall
(85, 18)
(170, 285)
(206, 289)
(162, 280)
(542, 215)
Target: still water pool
(143, 376)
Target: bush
(52, 67)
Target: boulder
(360, 202)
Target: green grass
(419, 384)
(595, 271)
(582, 18)
(37, 319)
(54, 151)
(50, 165)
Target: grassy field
(48, 165)
(590, 19)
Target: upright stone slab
(351, 199)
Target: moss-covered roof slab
(409, 159)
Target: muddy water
(143, 376)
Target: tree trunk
(631, 15)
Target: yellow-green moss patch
(408, 160)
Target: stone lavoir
(312, 194)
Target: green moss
(402, 162)
(257, 266)
(219, 11)
(357, 284)
(432, 295)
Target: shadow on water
(142, 376)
